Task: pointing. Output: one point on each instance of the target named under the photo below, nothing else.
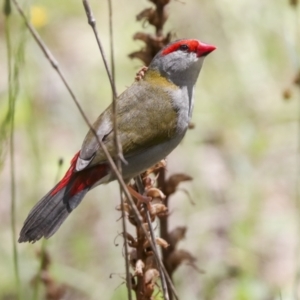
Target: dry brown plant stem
(141, 190)
(164, 225)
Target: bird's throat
(154, 77)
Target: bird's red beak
(204, 49)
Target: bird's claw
(141, 73)
(122, 158)
(140, 198)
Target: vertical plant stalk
(297, 188)
(119, 150)
(141, 190)
(37, 283)
(164, 225)
(111, 39)
(12, 95)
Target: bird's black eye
(183, 47)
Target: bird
(152, 116)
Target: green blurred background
(243, 152)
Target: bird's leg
(141, 73)
(140, 198)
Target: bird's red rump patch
(82, 179)
(192, 44)
(87, 178)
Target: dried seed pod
(148, 182)
(139, 266)
(149, 252)
(150, 262)
(132, 257)
(174, 181)
(156, 167)
(176, 235)
(146, 244)
(155, 193)
(158, 208)
(150, 278)
(132, 220)
(141, 231)
(125, 206)
(177, 257)
(161, 242)
(131, 240)
(134, 284)
(145, 14)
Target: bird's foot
(140, 198)
(141, 73)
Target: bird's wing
(145, 118)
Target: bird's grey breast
(183, 102)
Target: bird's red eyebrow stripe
(192, 44)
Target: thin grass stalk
(92, 23)
(12, 94)
(37, 283)
(297, 188)
(111, 40)
(119, 150)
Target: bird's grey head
(181, 61)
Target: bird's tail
(51, 211)
(48, 214)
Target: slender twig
(118, 147)
(12, 99)
(92, 22)
(110, 161)
(128, 275)
(297, 192)
(141, 190)
(111, 35)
